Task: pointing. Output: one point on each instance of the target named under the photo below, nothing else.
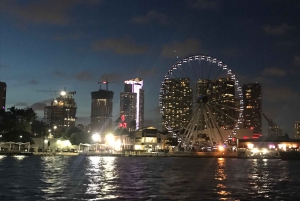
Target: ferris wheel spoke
(209, 126)
(219, 70)
(209, 62)
(214, 122)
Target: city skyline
(50, 45)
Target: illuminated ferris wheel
(201, 101)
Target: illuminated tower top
(133, 97)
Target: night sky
(53, 44)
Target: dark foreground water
(147, 178)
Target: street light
(55, 127)
(96, 137)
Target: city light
(110, 139)
(96, 137)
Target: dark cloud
(33, 82)
(277, 30)
(186, 48)
(274, 72)
(59, 74)
(123, 46)
(39, 106)
(204, 4)
(111, 77)
(53, 12)
(84, 76)
(151, 16)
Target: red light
(251, 128)
(245, 137)
(104, 82)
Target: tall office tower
(224, 102)
(132, 104)
(252, 107)
(61, 114)
(177, 105)
(2, 96)
(101, 111)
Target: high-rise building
(101, 111)
(132, 104)
(177, 105)
(297, 129)
(61, 114)
(2, 96)
(224, 102)
(252, 114)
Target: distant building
(2, 96)
(252, 116)
(297, 129)
(132, 105)
(101, 111)
(61, 114)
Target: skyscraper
(252, 107)
(177, 105)
(132, 104)
(101, 111)
(2, 96)
(61, 114)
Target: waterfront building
(224, 102)
(101, 111)
(132, 105)
(297, 129)
(61, 114)
(2, 96)
(177, 106)
(149, 139)
(252, 117)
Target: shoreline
(172, 154)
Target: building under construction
(101, 111)
(61, 114)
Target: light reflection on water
(147, 178)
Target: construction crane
(106, 83)
(273, 128)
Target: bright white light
(66, 143)
(250, 146)
(221, 148)
(264, 151)
(46, 141)
(96, 137)
(63, 93)
(110, 139)
(255, 150)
